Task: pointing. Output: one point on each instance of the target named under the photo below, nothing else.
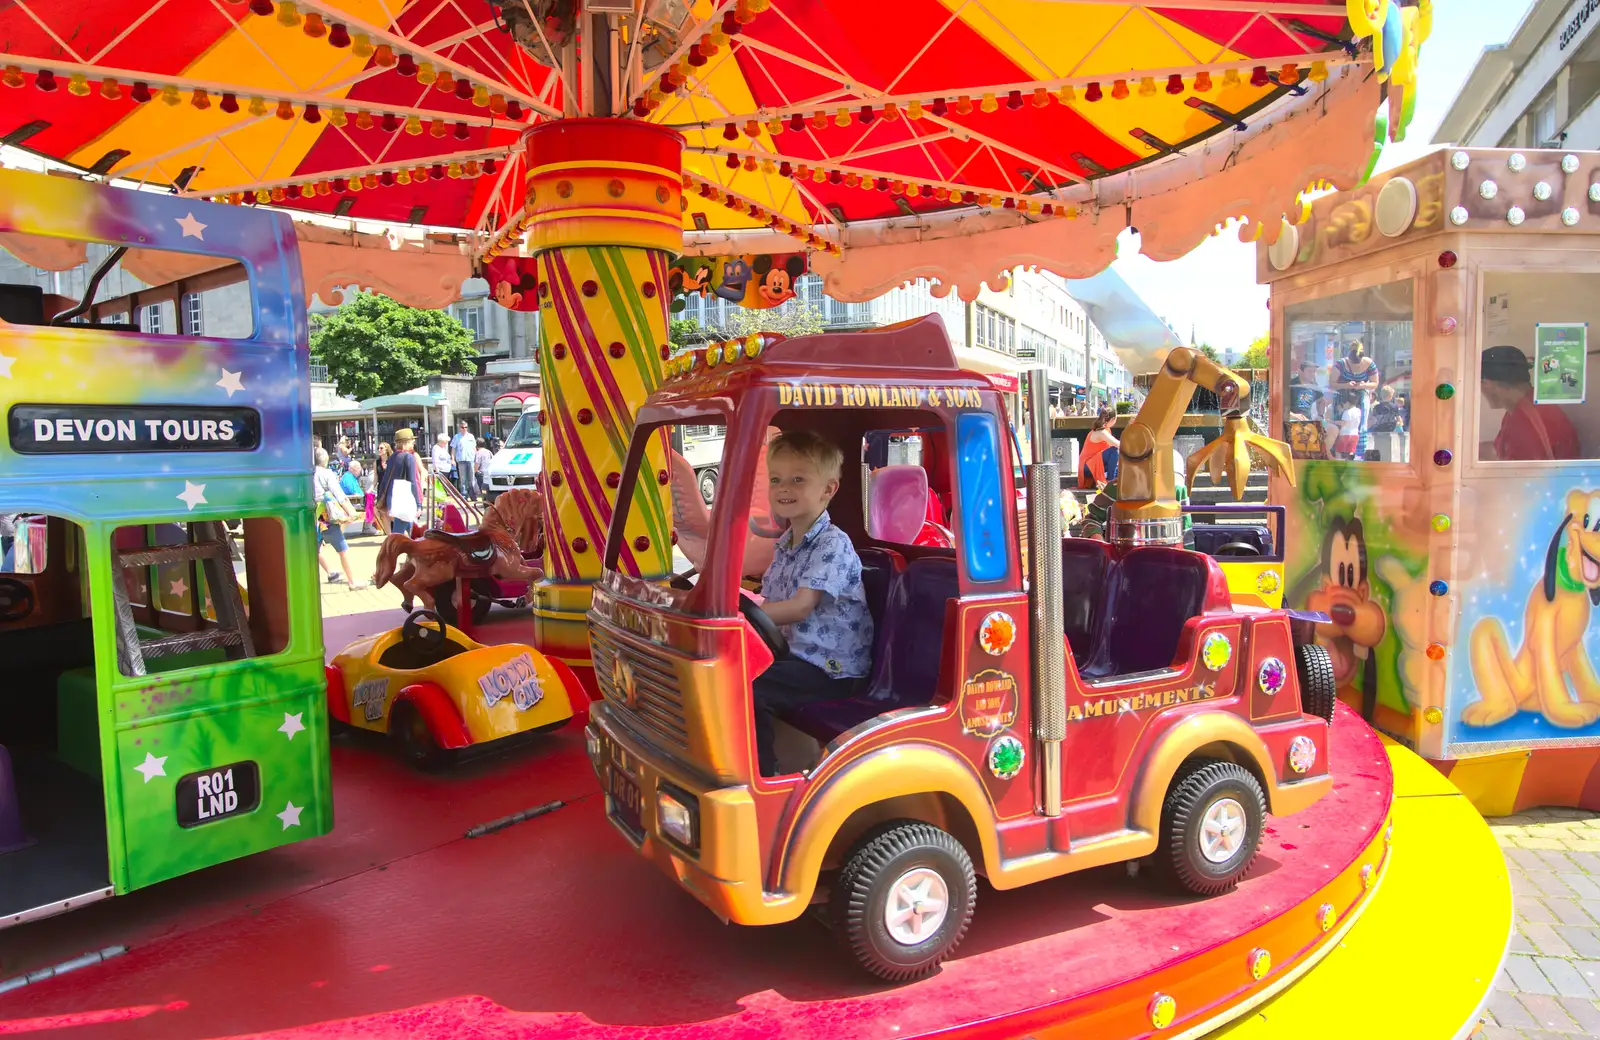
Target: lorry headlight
(677, 816)
(593, 743)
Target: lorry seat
(907, 647)
(1085, 566)
(1208, 538)
(879, 568)
(1152, 593)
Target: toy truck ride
(1111, 705)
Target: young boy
(812, 589)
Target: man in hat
(1528, 431)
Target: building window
(150, 319)
(193, 325)
(1544, 122)
(472, 317)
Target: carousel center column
(603, 198)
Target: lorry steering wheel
(16, 599)
(424, 642)
(765, 627)
(1238, 549)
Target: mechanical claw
(1229, 455)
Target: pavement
(1550, 986)
(340, 599)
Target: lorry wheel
(1210, 827)
(409, 730)
(904, 899)
(1318, 691)
(708, 484)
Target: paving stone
(1581, 884)
(1548, 1013)
(1567, 980)
(1585, 942)
(1490, 1031)
(1588, 862)
(1582, 845)
(1526, 974)
(1548, 942)
(1584, 1012)
(1566, 911)
(1533, 909)
(1509, 1012)
(1590, 907)
(1556, 860)
(1590, 970)
(1527, 859)
(1520, 943)
(1503, 983)
(1551, 844)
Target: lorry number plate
(215, 794)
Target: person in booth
(812, 589)
(1094, 468)
(1528, 431)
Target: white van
(521, 457)
(702, 449)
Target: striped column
(603, 198)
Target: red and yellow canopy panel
(802, 116)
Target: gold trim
(601, 168)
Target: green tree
(686, 332)
(795, 318)
(373, 345)
(1210, 353)
(1258, 354)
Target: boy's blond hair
(814, 448)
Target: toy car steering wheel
(16, 599)
(1238, 549)
(765, 627)
(425, 642)
(681, 581)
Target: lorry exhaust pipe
(1044, 577)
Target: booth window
(907, 488)
(175, 594)
(1348, 391)
(985, 514)
(1534, 366)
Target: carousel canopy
(821, 121)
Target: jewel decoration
(1438, 588)
(1005, 757)
(1569, 164)
(1594, 193)
(1458, 215)
(1325, 917)
(1435, 651)
(1515, 216)
(1216, 651)
(1268, 582)
(1440, 522)
(1517, 163)
(1433, 716)
(1260, 963)
(1442, 457)
(1163, 1009)
(1272, 676)
(1488, 189)
(997, 633)
(1569, 216)
(1460, 160)
(1444, 391)
(1302, 754)
(1541, 191)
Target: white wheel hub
(1222, 830)
(916, 907)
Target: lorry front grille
(656, 702)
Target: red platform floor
(396, 925)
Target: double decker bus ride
(159, 621)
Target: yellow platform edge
(1420, 961)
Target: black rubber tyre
(1313, 666)
(409, 730)
(1198, 787)
(444, 604)
(706, 479)
(861, 894)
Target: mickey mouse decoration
(513, 282)
(758, 282)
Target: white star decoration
(192, 228)
(230, 382)
(152, 767)
(178, 586)
(291, 815)
(5, 365)
(292, 724)
(193, 494)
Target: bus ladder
(210, 545)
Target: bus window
(199, 593)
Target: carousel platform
(397, 925)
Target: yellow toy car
(435, 691)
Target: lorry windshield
(526, 433)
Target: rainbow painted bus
(160, 627)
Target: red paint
(245, 945)
(577, 695)
(338, 698)
(444, 722)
